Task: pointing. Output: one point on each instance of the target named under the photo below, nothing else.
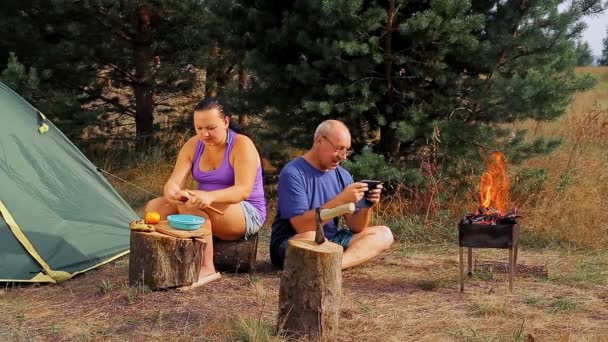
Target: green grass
(105, 287)
(485, 276)
(254, 330)
(536, 240)
(412, 229)
(592, 270)
(428, 285)
(253, 279)
(133, 293)
(365, 309)
(475, 335)
(531, 301)
(562, 304)
(488, 308)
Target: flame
(494, 185)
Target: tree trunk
(160, 261)
(243, 118)
(389, 142)
(388, 51)
(235, 256)
(143, 84)
(212, 71)
(311, 290)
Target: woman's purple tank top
(223, 176)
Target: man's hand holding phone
(353, 193)
(372, 195)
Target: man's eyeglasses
(340, 150)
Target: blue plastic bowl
(185, 222)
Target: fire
(493, 196)
(494, 184)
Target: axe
(327, 214)
(185, 199)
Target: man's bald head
(330, 127)
(331, 145)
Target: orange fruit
(152, 217)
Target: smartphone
(371, 185)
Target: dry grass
(143, 176)
(389, 299)
(571, 205)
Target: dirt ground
(409, 294)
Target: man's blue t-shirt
(302, 187)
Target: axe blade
(319, 236)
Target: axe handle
(327, 214)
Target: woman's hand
(196, 199)
(171, 193)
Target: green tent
(58, 215)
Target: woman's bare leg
(230, 226)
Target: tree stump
(235, 256)
(311, 290)
(160, 261)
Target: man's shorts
(252, 219)
(342, 238)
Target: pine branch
(471, 142)
(119, 33)
(165, 104)
(590, 7)
(523, 8)
(120, 108)
(514, 32)
(540, 49)
(128, 75)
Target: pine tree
(584, 56)
(409, 73)
(48, 99)
(604, 58)
(121, 62)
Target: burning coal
(493, 195)
(490, 216)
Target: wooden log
(160, 261)
(310, 290)
(235, 256)
(503, 267)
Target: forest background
(428, 88)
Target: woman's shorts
(252, 219)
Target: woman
(228, 170)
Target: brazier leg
(515, 248)
(461, 267)
(470, 262)
(511, 269)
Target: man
(317, 180)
